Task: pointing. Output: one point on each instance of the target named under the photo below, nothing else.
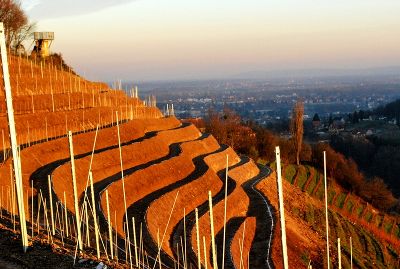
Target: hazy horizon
(183, 40)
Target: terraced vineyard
(375, 236)
(157, 168)
(153, 180)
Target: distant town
(265, 102)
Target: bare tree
(26, 32)
(297, 128)
(15, 21)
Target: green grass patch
(320, 191)
(305, 257)
(359, 210)
(331, 195)
(349, 205)
(377, 220)
(396, 231)
(387, 226)
(340, 200)
(310, 216)
(290, 172)
(313, 182)
(368, 216)
(304, 174)
(262, 161)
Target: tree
(316, 117)
(15, 22)
(297, 128)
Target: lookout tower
(43, 42)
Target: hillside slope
(374, 246)
(165, 167)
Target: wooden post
(184, 237)
(225, 204)
(47, 134)
(326, 213)
(13, 138)
(339, 253)
(33, 104)
(53, 232)
(4, 146)
(281, 208)
(52, 95)
(166, 227)
(28, 138)
(86, 216)
(198, 239)
(77, 217)
(32, 217)
(134, 241)
(110, 235)
(158, 245)
(123, 189)
(214, 251)
(38, 214)
(351, 254)
(241, 247)
(205, 253)
(94, 215)
(116, 237)
(66, 215)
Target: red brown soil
(42, 254)
(236, 245)
(83, 104)
(34, 157)
(300, 236)
(146, 181)
(237, 205)
(190, 196)
(107, 163)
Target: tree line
(16, 24)
(257, 142)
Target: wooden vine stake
(214, 251)
(184, 236)
(110, 235)
(326, 214)
(53, 232)
(77, 217)
(66, 216)
(339, 253)
(96, 229)
(13, 138)
(134, 241)
(123, 190)
(205, 253)
(281, 208)
(351, 254)
(198, 239)
(241, 246)
(225, 203)
(165, 231)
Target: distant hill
(372, 73)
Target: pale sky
(200, 39)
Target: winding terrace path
(202, 210)
(262, 209)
